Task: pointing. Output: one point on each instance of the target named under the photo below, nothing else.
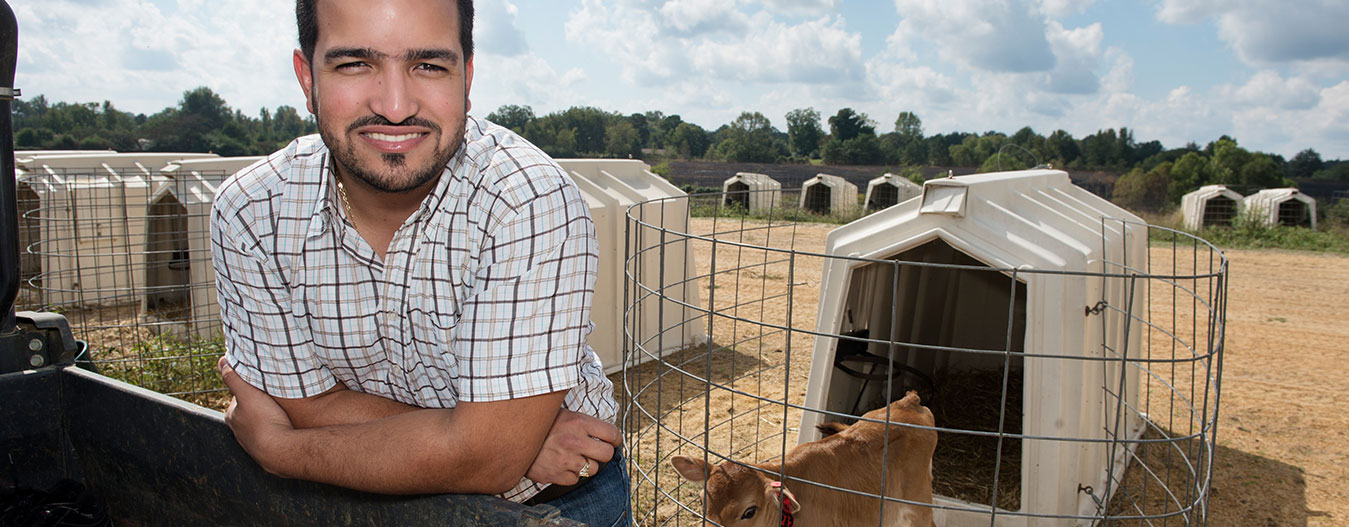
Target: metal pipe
(9, 216)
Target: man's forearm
(473, 448)
(422, 451)
(341, 406)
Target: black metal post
(9, 214)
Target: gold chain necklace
(346, 203)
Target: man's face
(389, 88)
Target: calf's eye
(749, 513)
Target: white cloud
(1268, 89)
(1077, 54)
(800, 7)
(1264, 31)
(818, 51)
(495, 32)
(691, 17)
(763, 50)
(630, 35)
(143, 59)
(1061, 8)
(523, 79)
(991, 35)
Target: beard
(389, 172)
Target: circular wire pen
(122, 250)
(1070, 356)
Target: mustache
(379, 120)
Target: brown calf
(852, 458)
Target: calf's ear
(691, 469)
(785, 497)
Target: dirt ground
(1282, 449)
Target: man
(406, 301)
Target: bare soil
(1282, 449)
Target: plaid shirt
(484, 293)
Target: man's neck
(378, 214)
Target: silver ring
(585, 470)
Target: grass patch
(180, 367)
(1247, 232)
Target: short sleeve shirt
(483, 295)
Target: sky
(1271, 75)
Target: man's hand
(574, 439)
(255, 418)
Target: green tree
(622, 140)
(749, 138)
(1305, 164)
(847, 124)
(852, 140)
(804, 132)
(688, 140)
(512, 116)
(1139, 190)
(1192, 171)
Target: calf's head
(737, 496)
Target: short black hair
(306, 19)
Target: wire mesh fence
(1114, 426)
(126, 259)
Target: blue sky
(1272, 75)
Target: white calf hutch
(1210, 206)
(889, 190)
(1287, 207)
(752, 192)
(610, 187)
(179, 276)
(92, 212)
(1069, 383)
(828, 194)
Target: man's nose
(395, 97)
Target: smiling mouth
(391, 138)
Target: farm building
(91, 211)
(610, 187)
(752, 192)
(178, 286)
(888, 190)
(1282, 206)
(210, 168)
(1210, 206)
(825, 194)
(958, 289)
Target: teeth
(392, 138)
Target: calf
(852, 458)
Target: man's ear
(692, 469)
(468, 84)
(781, 494)
(305, 74)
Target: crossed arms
(366, 442)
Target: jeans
(602, 502)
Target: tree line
(1153, 175)
(200, 122)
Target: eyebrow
(411, 55)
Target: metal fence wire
(1117, 428)
(126, 258)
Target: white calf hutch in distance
(889, 190)
(1210, 206)
(1282, 207)
(752, 192)
(828, 194)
